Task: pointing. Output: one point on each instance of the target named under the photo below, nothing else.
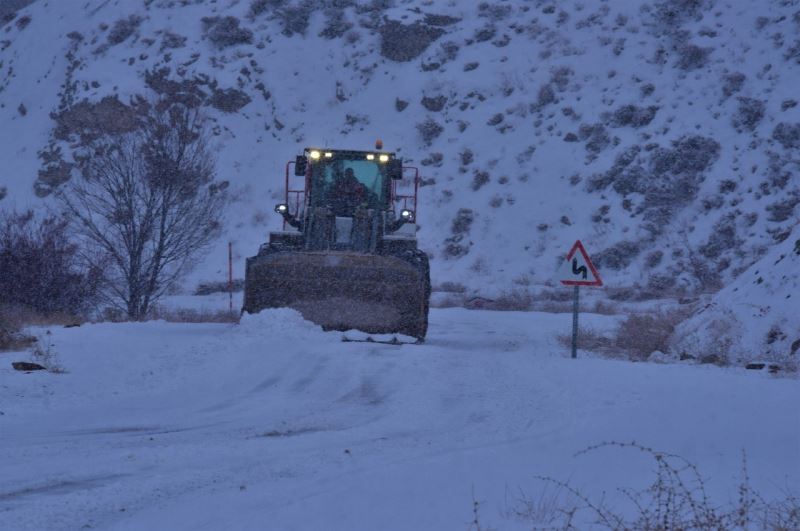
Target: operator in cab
(346, 193)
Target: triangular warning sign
(580, 270)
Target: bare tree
(146, 204)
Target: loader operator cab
(346, 180)
(348, 199)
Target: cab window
(369, 173)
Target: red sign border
(578, 246)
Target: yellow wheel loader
(347, 256)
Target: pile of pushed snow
(278, 322)
(755, 317)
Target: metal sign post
(581, 273)
(575, 322)
(230, 277)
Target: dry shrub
(429, 130)
(591, 340)
(190, 315)
(450, 287)
(225, 31)
(518, 300)
(123, 28)
(642, 334)
(791, 366)
(604, 308)
(522, 280)
(45, 354)
(553, 301)
(207, 288)
(638, 336)
(553, 508)
(450, 300)
(559, 295)
(257, 7)
(11, 339)
(13, 318)
(18, 316)
(514, 301)
(677, 498)
(42, 267)
(551, 306)
(14, 340)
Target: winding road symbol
(578, 270)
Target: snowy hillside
(754, 319)
(663, 134)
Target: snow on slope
(273, 424)
(754, 318)
(658, 132)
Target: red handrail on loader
(405, 198)
(296, 194)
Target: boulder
(27, 366)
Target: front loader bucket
(342, 291)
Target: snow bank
(755, 317)
(278, 322)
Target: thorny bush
(42, 268)
(677, 498)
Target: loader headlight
(384, 158)
(281, 209)
(314, 154)
(407, 215)
(328, 154)
(370, 156)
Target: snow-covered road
(273, 424)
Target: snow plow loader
(347, 256)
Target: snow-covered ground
(274, 424)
